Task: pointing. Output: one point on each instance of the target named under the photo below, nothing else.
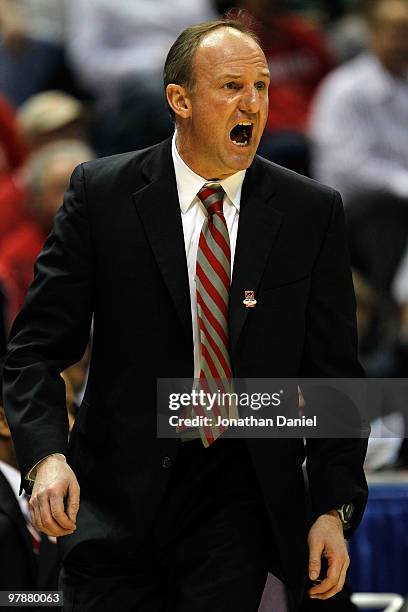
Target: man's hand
(326, 539)
(54, 481)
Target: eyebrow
(264, 74)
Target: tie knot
(212, 196)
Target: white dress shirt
(358, 128)
(192, 215)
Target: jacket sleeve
(334, 465)
(50, 333)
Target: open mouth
(241, 134)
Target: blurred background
(81, 79)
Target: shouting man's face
(226, 110)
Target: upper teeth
(244, 123)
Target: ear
(4, 428)
(179, 100)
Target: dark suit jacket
(20, 568)
(17, 561)
(117, 252)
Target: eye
(231, 85)
(261, 85)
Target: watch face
(348, 510)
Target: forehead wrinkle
(230, 56)
(219, 68)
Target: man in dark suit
(165, 524)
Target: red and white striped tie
(213, 273)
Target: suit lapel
(258, 229)
(158, 206)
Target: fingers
(326, 538)
(315, 556)
(50, 525)
(343, 574)
(35, 514)
(333, 590)
(73, 502)
(57, 510)
(334, 581)
(314, 568)
(48, 514)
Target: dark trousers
(339, 603)
(209, 549)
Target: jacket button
(166, 462)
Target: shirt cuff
(31, 474)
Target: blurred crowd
(82, 79)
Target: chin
(243, 161)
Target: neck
(186, 151)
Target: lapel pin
(249, 300)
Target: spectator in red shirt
(12, 156)
(12, 148)
(48, 172)
(44, 118)
(12, 205)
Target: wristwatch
(345, 513)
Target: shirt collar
(189, 183)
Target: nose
(250, 100)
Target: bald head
(381, 11)
(223, 46)
(178, 68)
(48, 173)
(389, 34)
